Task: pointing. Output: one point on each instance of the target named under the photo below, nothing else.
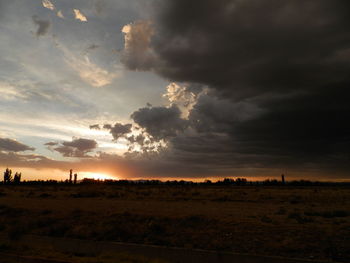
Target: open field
(298, 222)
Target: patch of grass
(224, 198)
(87, 194)
(45, 195)
(281, 211)
(115, 195)
(266, 219)
(328, 214)
(58, 229)
(46, 212)
(300, 218)
(295, 199)
(241, 219)
(4, 247)
(16, 231)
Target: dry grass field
(301, 222)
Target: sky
(175, 89)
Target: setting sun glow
(97, 176)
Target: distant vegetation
(8, 177)
(227, 181)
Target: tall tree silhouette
(75, 178)
(70, 175)
(7, 176)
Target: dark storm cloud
(78, 147)
(160, 122)
(246, 48)
(278, 72)
(137, 54)
(10, 145)
(43, 26)
(118, 130)
(212, 114)
(81, 144)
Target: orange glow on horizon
(123, 173)
(97, 176)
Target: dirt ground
(300, 222)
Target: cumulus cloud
(276, 74)
(255, 84)
(11, 145)
(119, 130)
(79, 15)
(47, 4)
(137, 54)
(160, 122)
(81, 144)
(182, 96)
(78, 147)
(235, 48)
(43, 26)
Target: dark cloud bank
(9, 145)
(267, 91)
(278, 79)
(78, 147)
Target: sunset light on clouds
(175, 131)
(129, 88)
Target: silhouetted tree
(17, 178)
(70, 175)
(228, 181)
(241, 181)
(75, 178)
(207, 182)
(7, 176)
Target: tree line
(73, 180)
(8, 177)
